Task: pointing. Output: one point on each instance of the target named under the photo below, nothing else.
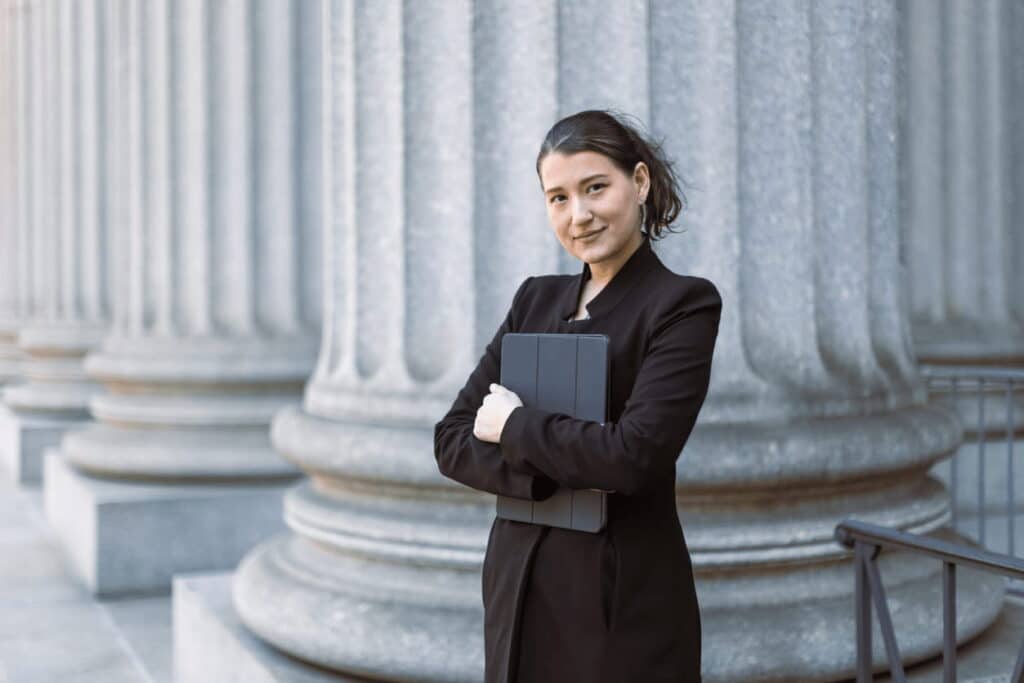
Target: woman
(616, 606)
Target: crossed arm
(540, 450)
(463, 457)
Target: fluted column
(215, 324)
(786, 117)
(66, 232)
(965, 180)
(964, 213)
(13, 15)
(217, 306)
(381, 533)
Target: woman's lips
(589, 234)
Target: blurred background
(251, 249)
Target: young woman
(617, 606)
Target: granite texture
(125, 537)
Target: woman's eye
(555, 199)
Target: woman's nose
(580, 212)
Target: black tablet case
(562, 373)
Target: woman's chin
(599, 242)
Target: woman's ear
(641, 178)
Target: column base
(783, 624)
(126, 537)
(212, 644)
(23, 440)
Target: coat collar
(632, 271)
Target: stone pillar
(67, 234)
(965, 181)
(963, 217)
(217, 311)
(786, 115)
(817, 411)
(379, 532)
(13, 14)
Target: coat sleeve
(643, 445)
(463, 457)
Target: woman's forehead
(559, 170)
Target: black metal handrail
(867, 541)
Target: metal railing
(867, 540)
(972, 390)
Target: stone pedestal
(24, 439)
(212, 644)
(217, 309)
(125, 537)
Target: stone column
(383, 535)
(786, 116)
(965, 181)
(13, 15)
(217, 311)
(67, 232)
(964, 213)
(817, 411)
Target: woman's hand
(491, 416)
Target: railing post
(1010, 502)
(948, 622)
(892, 650)
(1018, 670)
(862, 610)
(980, 433)
(953, 461)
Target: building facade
(250, 251)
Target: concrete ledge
(212, 644)
(989, 658)
(125, 537)
(23, 440)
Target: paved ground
(51, 629)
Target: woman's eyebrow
(585, 180)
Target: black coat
(617, 606)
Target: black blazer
(618, 606)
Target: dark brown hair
(610, 133)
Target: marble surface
(51, 629)
(130, 537)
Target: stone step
(988, 658)
(51, 628)
(212, 644)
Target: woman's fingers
(498, 389)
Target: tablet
(562, 373)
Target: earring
(643, 216)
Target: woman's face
(593, 207)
